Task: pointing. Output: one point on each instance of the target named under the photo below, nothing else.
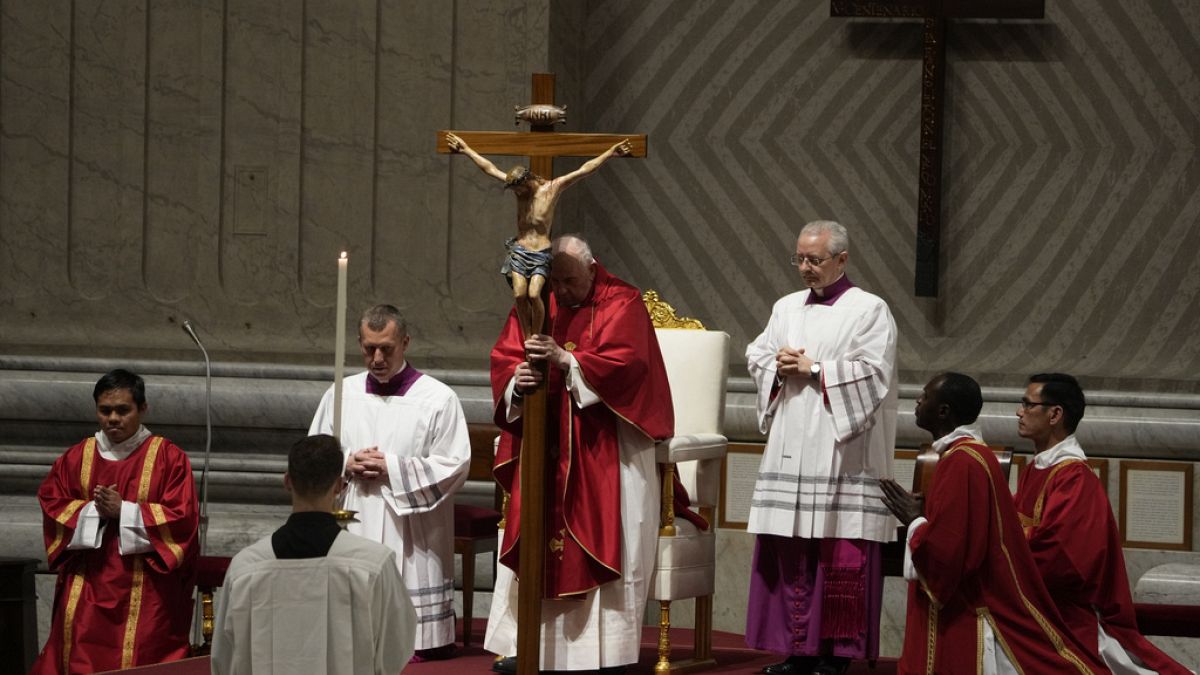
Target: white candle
(339, 347)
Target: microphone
(187, 328)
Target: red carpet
(731, 653)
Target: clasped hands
(108, 501)
(905, 505)
(538, 348)
(367, 464)
(792, 362)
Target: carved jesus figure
(528, 261)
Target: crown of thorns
(516, 176)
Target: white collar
(1068, 448)
(965, 431)
(123, 449)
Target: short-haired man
(407, 453)
(1072, 532)
(608, 400)
(120, 523)
(311, 598)
(825, 369)
(976, 604)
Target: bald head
(572, 270)
(573, 246)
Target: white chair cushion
(686, 564)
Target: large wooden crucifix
(933, 83)
(541, 145)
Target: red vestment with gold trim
(1077, 548)
(612, 339)
(975, 568)
(115, 611)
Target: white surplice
(424, 436)
(830, 441)
(605, 628)
(347, 612)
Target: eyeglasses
(799, 260)
(1028, 405)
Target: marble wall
(208, 159)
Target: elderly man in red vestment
(1072, 533)
(977, 603)
(609, 399)
(120, 522)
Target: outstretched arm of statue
(457, 144)
(619, 149)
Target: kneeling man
(1072, 532)
(977, 603)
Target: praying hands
(367, 464)
(108, 501)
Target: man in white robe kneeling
(312, 598)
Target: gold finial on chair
(663, 314)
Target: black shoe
(794, 665)
(505, 666)
(832, 665)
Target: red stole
(1076, 546)
(612, 339)
(110, 610)
(976, 569)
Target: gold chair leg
(207, 621)
(664, 637)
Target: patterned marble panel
(412, 198)
(35, 94)
(337, 187)
(263, 97)
(1070, 141)
(183, 147)
(108, 135)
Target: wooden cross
(542, 144)
(933, 83)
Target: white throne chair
(697, 363)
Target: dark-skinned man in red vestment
(120, 520)
(976, 603)
(608, 401)
(1072, 533)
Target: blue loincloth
(524, 261)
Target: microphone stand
(187, 328)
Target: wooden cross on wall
(542, 144)
(933, 84)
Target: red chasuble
(975, 567)
(611, 337)
(113, 611)
(1077, 548)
